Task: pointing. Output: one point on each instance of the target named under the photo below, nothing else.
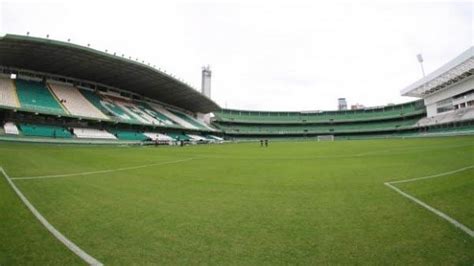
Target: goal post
(325, 138)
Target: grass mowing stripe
(456, 223)
(101, 171)
(68, 243)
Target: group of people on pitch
(264, 141)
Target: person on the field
(261, 143)
(266, 143)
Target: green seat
(128, 135)
(44, 131)
(34, 96)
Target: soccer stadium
(106, 159)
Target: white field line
(68, 243)
(101, 171)
(451, 220)
(432, 176)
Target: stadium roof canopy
(454, 71)
(75, 61)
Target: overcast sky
(266, 55)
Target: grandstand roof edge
(320, 111)
(421, 86)
(167, 83)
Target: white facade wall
(458, 88)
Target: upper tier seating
(75, 102)
(10, 128)
(89, 133)
(143, 114)
(386, 112)
(34, 96)
(191, 120)
(157, 115)
(108, 107)
(45, 131)
(172, 116)
(318, 128)
(8, 95)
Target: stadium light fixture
(106, 50)
(88, 45)
(68, 40)
(47, 36)
(420, 60)
(27, 33)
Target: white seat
(75, 102)
(158, 136)
(89, 133)
(197, 137)
(10, 128)
(172, 116)
(8, 96)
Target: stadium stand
(90, 133)
(172, 116)
(128, 135)
(140, 113)
(44, 131)
(158, 137)
(179, 136)
(448, 117)
(11, 128)
(75, 102)
(107, 107)
(392, 118)
(34, 96)
(386, 112)
(8, 96)
(189, 119)
(215, 137)
(197, 137)
(156, 114)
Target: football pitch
(291, 203)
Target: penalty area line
(101, 171)
(439, 213)
(63, 239)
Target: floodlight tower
(420, 60)
(206, 81)
(206, 90)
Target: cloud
(267, 55)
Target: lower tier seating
(158, 136)
(10, 128)
(90, 133)
(197, 137)
(129, 135)
(44, 131)
(179, 136)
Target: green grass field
(290, 203)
